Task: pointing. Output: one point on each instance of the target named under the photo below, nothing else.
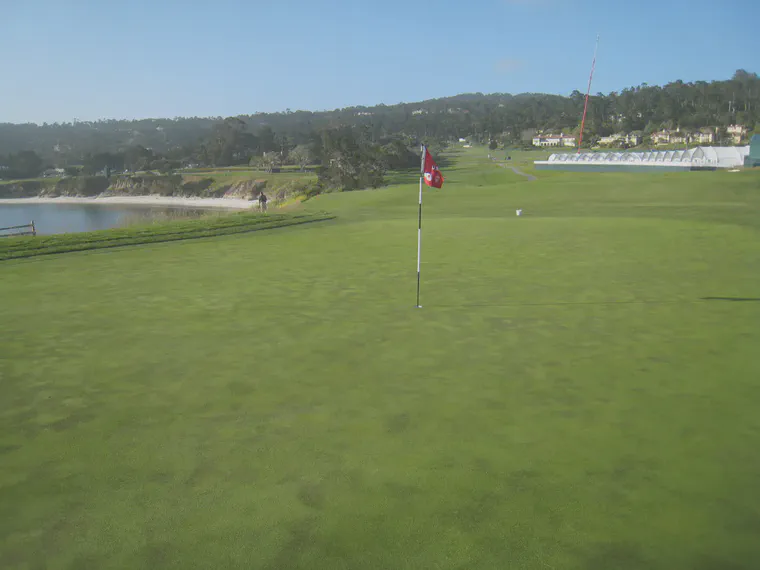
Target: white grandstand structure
(699, 158)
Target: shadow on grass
(733, 299)
(634, 302)
(557, 303)
(564, 303)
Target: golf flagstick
(419, 226)
(431, 175)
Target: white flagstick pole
(419, 227)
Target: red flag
(433, 176)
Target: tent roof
(721, 157)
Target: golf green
(579, 390)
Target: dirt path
(514, 169)
(519, 172)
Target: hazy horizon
(91, 62)
(327, 110)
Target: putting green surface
(579, 391)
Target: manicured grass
(233, 175)
(48, 181)
(580, 390)
(288, 168)
(208, 226)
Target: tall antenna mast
(588, 92)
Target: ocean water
(67, 218)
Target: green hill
(508, 117)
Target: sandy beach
(230, 203)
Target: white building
(703, 137)
(698, 158)
(661, 137)
(612, 140)
(737, 133)
(545, 141)
(631, 139)
(670, 137)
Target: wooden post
(34, 231)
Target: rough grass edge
(58, 247)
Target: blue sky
(91, 59)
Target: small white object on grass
(518, 212)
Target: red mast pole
(588, 92)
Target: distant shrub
(27, 189)
(146, 184)
(82, 186)
(197, 187)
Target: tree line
(354, 144)
(344, 157)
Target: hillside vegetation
(384, 131)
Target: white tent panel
(703, 156)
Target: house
(736, 133)
(545, 141)
(703, 136)
(612, 139)
(661, 137)
(630, 139)
(568, 140)
(670, 137)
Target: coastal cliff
(152, 185)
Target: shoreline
(172, 201)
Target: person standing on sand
(263, 202)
